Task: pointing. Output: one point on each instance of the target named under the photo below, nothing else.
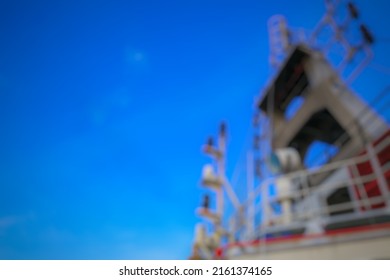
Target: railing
(307, 204)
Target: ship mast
(328, 111)
(215, 180)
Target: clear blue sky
(104, 106)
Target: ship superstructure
(319, 180)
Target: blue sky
(104, 106)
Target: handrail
(326, 168)
(333, 186)
(323, 211)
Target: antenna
(279, 39)
(214, 179)
(283, 39)
(341, 30)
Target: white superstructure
(333, 206)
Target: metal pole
(378, 172)
(251, 201)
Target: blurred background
(104, 106)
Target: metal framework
(301, 205)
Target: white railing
(308, 203)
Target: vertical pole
(382, 184)
(221, 168)
(270, 113)
(221, 175)
(264, 218)
(251, 200)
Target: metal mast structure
(338, 192)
